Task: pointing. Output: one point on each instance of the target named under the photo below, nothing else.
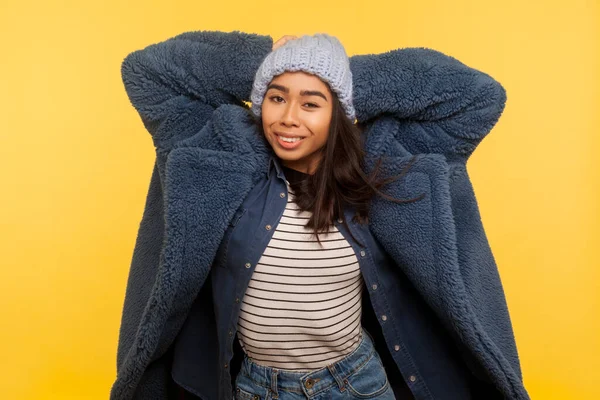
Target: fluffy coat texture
(189, 92)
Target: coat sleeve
(176, 84)
(441, 105)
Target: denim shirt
(420, 359)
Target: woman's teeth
(290, 140)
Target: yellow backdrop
(76, 163)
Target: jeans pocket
(241, 394)
(246, 388)
(370, 380)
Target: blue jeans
(359, 375)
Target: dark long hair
(339, 179)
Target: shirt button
(397, 348)
(230, 333)
(248, 265)
(340, 220)
(374, 286)
(384, 317)
(237, 299)
(362, 253)
(282, 195)
(412, 378)
(226, 366)
(268, 227)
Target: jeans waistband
(314, 381)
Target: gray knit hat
(320, 54)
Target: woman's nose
(290, 116)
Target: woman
(396, 295)
(302, 308)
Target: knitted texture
(319, 54)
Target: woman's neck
(293, 175)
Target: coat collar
(208, 176)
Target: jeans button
(309, 383)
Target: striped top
(302, 309)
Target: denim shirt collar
(275, 161)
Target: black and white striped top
(302, 309)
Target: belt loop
(337, 377)
(274, 372)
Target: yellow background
(76, 163)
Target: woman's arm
(176, 84)
(442, 105)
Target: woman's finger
(283, 40)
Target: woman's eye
(277, 98)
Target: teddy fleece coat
(190, 91)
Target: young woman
(288, 252)
(300, 318)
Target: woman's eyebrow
(302, 93)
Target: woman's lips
(288, 145)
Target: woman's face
(297, 104)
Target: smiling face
(297, 105)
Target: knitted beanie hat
(319, 54)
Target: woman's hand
(283, 40)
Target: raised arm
(442, 105)
(176, 84)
